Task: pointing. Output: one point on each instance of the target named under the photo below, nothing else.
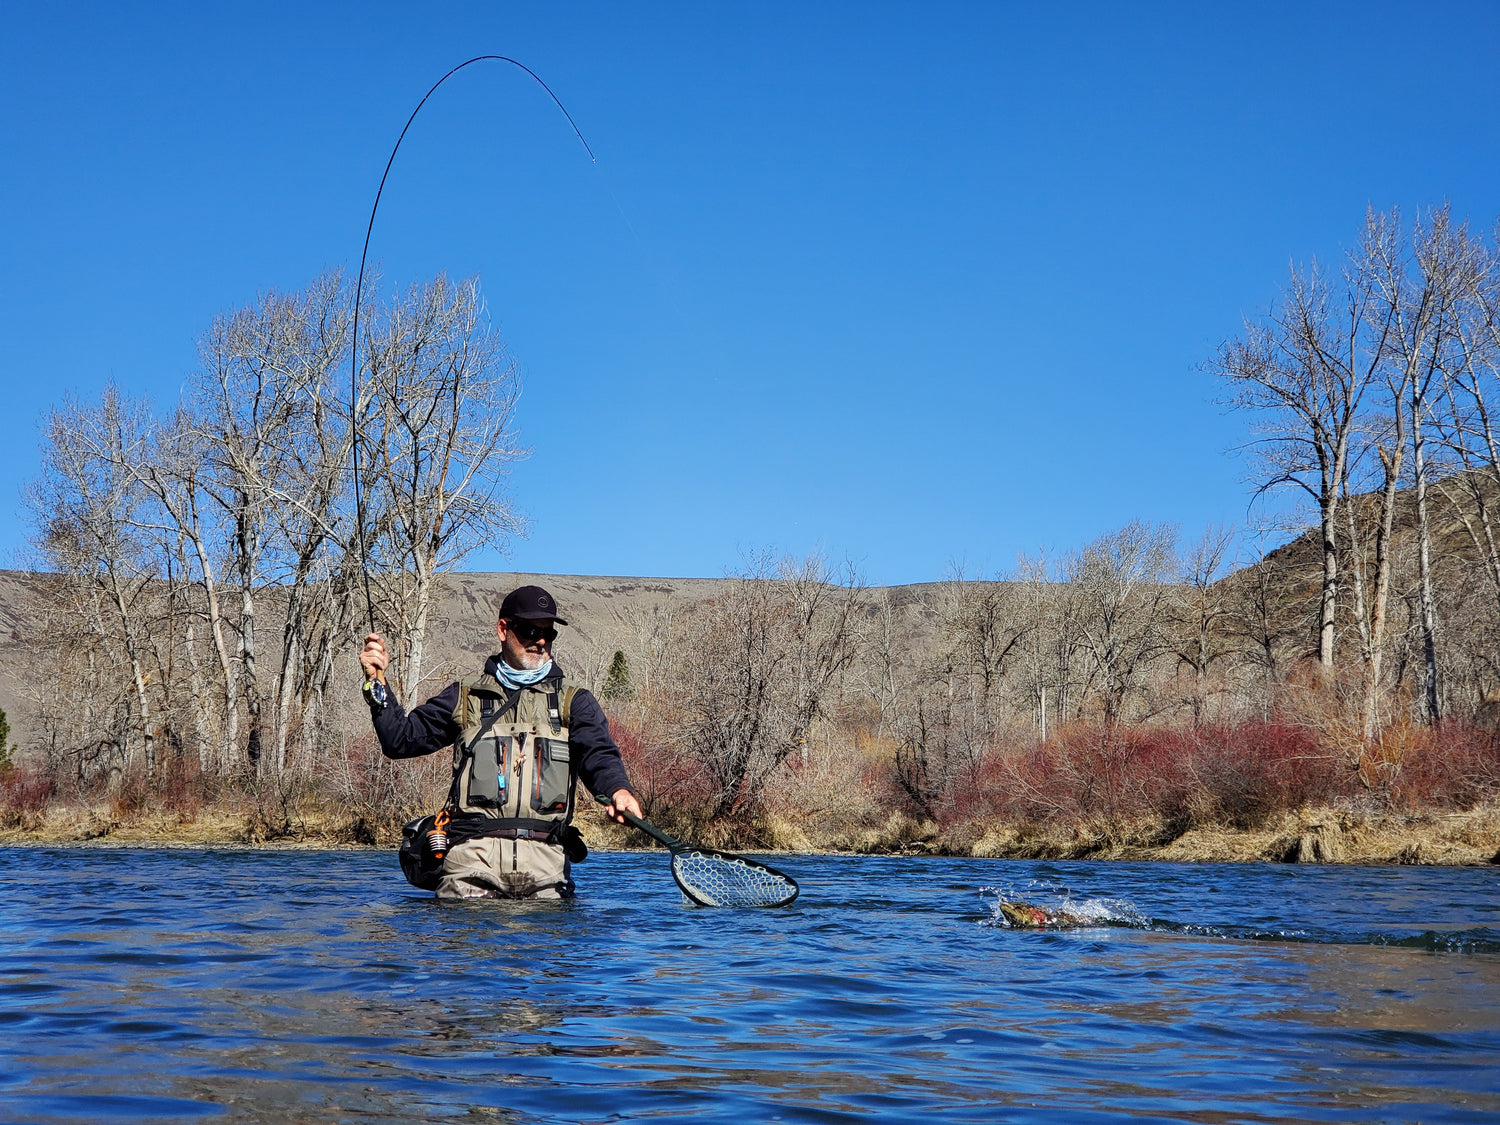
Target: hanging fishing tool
(437, 835)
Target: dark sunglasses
(527, 633)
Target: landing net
(717, 879)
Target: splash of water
(1085, 912)
(1059, 900)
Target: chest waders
(513, 777)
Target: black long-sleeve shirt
(431, 727)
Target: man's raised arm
(426, 729)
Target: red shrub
(25, 794)
(662, 779)
(1239, 774)
(180, 785)
(981, 790)
(1452, 766)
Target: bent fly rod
(359, 286)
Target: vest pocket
(487, 774)
(553, 775)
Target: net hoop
(713, 878)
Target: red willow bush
(1452, 766)
(1235, 775)
(25, 795)
(665, 782)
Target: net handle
(645, 826)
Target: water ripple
(274, 986)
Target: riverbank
(1310, 835)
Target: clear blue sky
(908, 284)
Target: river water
(231, 986)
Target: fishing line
(359, 508)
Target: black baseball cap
(529, 603)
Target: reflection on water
(267, 986)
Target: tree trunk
(132, 650)
(1391, 462)
(1328, 505)
(248, 557)
(1432, 694)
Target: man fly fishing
(521, 736)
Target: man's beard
(526, 660)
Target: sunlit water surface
(317, 986)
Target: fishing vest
(515, 780)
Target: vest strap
(467, 750)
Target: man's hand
(374, 658)
(622, 799)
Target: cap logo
(542, 601)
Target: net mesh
(713, 879)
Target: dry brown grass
(1311, 835)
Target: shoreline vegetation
(1254, 792)
(182, 660)
(1319, 835)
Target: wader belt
(464, 828)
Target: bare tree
(1058, 676)
(1120, 579)
(84, 506)
(648, 638)
(247, 401)
(1423, 287)
(1202, 611)
(1037, 595)
(1471, 389)
(1303, 369)
(1264, 620)
(206, 526)
(753, 670)
(981, 632)
(445, 393)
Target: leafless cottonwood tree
(1057, 680)
(648, 632)
(1471, 386)
(194, 539)
(1202, 612)
(85, 509)
(1422, 284)
(445, 394)
(940, 707)
(1263, 626)
(754, 669)
(1302, 370)
(266, 379)
(983, 630)
(1121, 580)
(1375, 396)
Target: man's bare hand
(374, 658)
(622, 799)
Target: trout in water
(1025, 916)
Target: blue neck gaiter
(519, 677)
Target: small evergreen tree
(617, 679)
(4, 742)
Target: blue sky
(911, 284)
